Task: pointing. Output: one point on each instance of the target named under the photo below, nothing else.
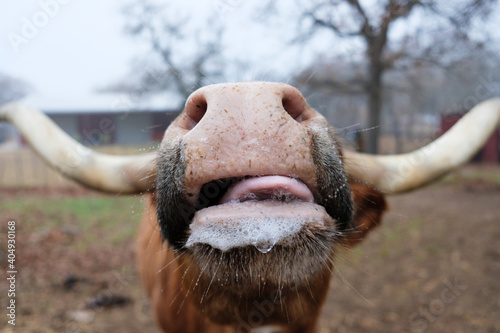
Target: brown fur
(172, 282)
(369, 206)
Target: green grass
(491, 175)
(396, 235)
(108, 219)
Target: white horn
(405, 172)
(116, 174)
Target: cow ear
(369, 206)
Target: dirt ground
(433, 266)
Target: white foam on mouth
(262, 224)
(263, 233)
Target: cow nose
(246, 129)
(293, 102)
(196, 106)
(251, 97)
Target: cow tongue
(268, 188)
(260, 211)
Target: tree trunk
(374, 106)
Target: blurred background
(390, 75)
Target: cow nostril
(196, 107)
(294, 104)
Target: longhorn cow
(248, 200)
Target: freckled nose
(245, 129)
(228, 99)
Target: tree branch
(165, 36)
(366, 29)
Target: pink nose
(247, 98)
(246, 129)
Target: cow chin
(215, 280)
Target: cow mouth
(275, 188)
(253, 188)
(260, 211)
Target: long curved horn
(110, 173)
(405, 172)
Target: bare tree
(181, 60)
(413, 99)
(395, 35)
(11, 89)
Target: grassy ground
(76, 248)
(72, 248)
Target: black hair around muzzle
(174, 211)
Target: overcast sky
(67, 49)
(76, 50)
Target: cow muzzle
(249, 154)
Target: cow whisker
(213, 277)
(349, 286)
(299, 300)
(181, 305)
(169, 263)
(147, 177)
(175, 297)
(203, 270)
(286, 311)
(187, 292)
(180, 266)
